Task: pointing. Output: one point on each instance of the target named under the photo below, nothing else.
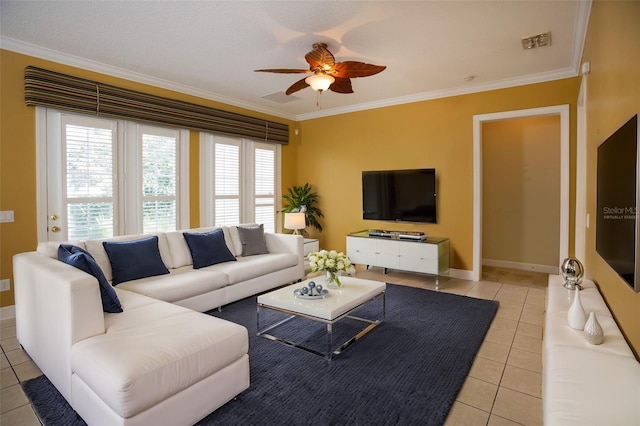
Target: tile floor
(503, 386)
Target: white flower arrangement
(331, 262)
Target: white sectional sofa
(586, 384)
(160, 360)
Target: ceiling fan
(326, 73)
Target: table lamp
(294, 221)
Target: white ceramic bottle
(593, 330)
(576, 315)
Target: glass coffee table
(324, 326)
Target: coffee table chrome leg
(260, 332)
(329, 341)
(384, 306)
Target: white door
(81, 182)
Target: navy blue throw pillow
(81, 259)
(131, 260)
(208, 249)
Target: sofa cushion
(235, 237)
(131, 260)
(225, 231)
(208, 248)
(179, 249)
(132, 368)
(50, 248)
(587, 387)
(81, 259)
(98, 252)
(181, 283)
(252, 240)
(250, 267)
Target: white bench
(586, 384)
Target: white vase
(576, 315)
(593, 331)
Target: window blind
(52, 89)
(88, 174)
(264, 187)
(159, 183)
(227, 184)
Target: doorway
(563, 112)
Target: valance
(51, 89)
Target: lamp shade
(320, 82)
(294, 221)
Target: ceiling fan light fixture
(319, 82)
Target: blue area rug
(406, 371)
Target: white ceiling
(210, 48)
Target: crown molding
(580, 32)
(66, 59)
(445, 93)
(75, 61)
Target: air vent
(539, 40)
(280, 97)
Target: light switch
(6, 216)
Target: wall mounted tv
(399, 195)
(617, 234)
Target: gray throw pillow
(252, 239)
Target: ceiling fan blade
(353, 69)
(285, 71)
(341, 85)
(298, 85)
(320, 57)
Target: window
(88, 193)
(239, 181)
(226, 182)
(109, 177)
(264, 186)
(159, 181)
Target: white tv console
(428, 256)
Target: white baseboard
(8, 312)
(461, 274)
(521, 266)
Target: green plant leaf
(298, 197)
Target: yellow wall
(18, 154)
(613, 96)
(438, 133)
(521, 190)
(329, 153)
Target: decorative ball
(572, 272)
(312, 284)
(304, 290)
(319, 288)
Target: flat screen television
(617, 206)
(399, 195)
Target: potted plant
(300, 199)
